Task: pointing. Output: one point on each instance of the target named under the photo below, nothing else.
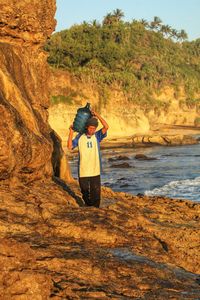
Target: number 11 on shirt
(89, 144)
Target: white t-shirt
(89, 153)
(89, 156)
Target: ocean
(173, 172)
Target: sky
(179, 14)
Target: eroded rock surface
(26, 145)
(30, 21)
(137, 248)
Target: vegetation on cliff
(139, 57)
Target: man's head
(91, 126)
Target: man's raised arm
(103, 122)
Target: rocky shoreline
(150, 140)
(164, 136)
(130, 248)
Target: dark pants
(91, 190)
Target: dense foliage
(138, 56)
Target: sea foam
(187, 189)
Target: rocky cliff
(25, 141)
(50, 248)
(124, 117)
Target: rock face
(25, 136)
(50, 248)
(124, 118)
(27, 21)
(25, 141)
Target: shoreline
(165, 135)
(123, 158)
(168, 135)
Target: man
(89, 158)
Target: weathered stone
(122, 165)
(25, 141)
(120, 157)
(144, 157)
(59, 160)
(29, 21)
(137, 247)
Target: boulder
(122, 165)
(144, 157)
(120, 157)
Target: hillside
(148, 68)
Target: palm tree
(118, 14)
(157, 20)
(156, 23)
(95, 23)
(166, 29)
(114, 17)
(85, 23)
(174, 33)
(144, 22)
(182, 35)
(108, 19)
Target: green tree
(182, 35)
(144, 22)
(95, 23)
(108, 19)
(166, 29)
(113, 18)
(156, 23)
(174, 33)
(138, 59)
(118, 14)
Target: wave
(187, 189)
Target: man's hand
(71, 128)
(95, 114)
